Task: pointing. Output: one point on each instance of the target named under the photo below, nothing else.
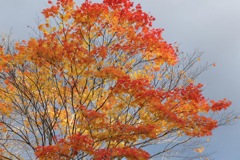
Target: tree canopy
(98, 84)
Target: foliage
(98, 84)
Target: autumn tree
(101, 83)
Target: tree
(99, 84)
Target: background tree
(100, 83)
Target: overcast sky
(211, 26)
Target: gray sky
(211, 26)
